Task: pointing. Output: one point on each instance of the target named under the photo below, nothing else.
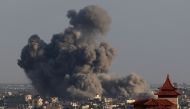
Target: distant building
(167, 98)
(14, 102)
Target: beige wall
(173, 100)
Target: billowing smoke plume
(130, 86)
(76, 62)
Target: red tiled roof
(167, 89)
(153, 102)
(158, 102)
(168, 85)
(168, 93)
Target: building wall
(139, 107)
(173, 100)
(152, 108)
(160, 108)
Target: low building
(11, 102)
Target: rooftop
(167, 89)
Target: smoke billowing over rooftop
(75, 64)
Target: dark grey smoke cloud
(76, 62)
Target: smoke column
(75, 64)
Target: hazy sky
(152, 37)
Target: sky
(151, 36)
